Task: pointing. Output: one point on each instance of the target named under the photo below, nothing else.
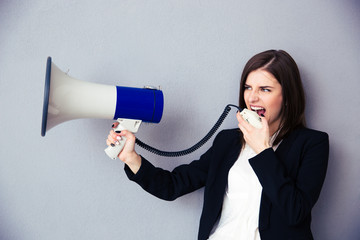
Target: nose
(253, 96)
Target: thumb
(130, 137)
(127, 134)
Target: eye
(264, 89)
(247, 87)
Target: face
(263, 94)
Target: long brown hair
(283, 67)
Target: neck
(274, 127)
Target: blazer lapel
(217, 184)
(265, 206)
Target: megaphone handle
(113, 152)
(131, 125)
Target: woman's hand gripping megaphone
(116, 142)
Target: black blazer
(291, 178)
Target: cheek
(276, 107)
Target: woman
(259, 183)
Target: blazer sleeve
(295, 195)
(169, 185)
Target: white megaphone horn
(66, 98)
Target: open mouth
(259, 110)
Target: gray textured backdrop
(64, 187)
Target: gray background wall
(64, 187)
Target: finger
(114, 134)
(115, 124)
(127, 134)
(238, 117)
(114, 137)
(110, 143)
(243, 123)
(264, 122)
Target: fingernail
(118, 131)
(117, 143)
(113, 145)
(118, 138)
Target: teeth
(256, 108)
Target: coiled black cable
(197, 145)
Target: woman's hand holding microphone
(257, 138)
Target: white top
(240, 211)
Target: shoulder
(307, 133)
(234, 133)
(228, 137)
(230, 132)
(308, 138)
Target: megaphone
(67, 98)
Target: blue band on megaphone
(139, 103)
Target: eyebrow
(247, 85)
